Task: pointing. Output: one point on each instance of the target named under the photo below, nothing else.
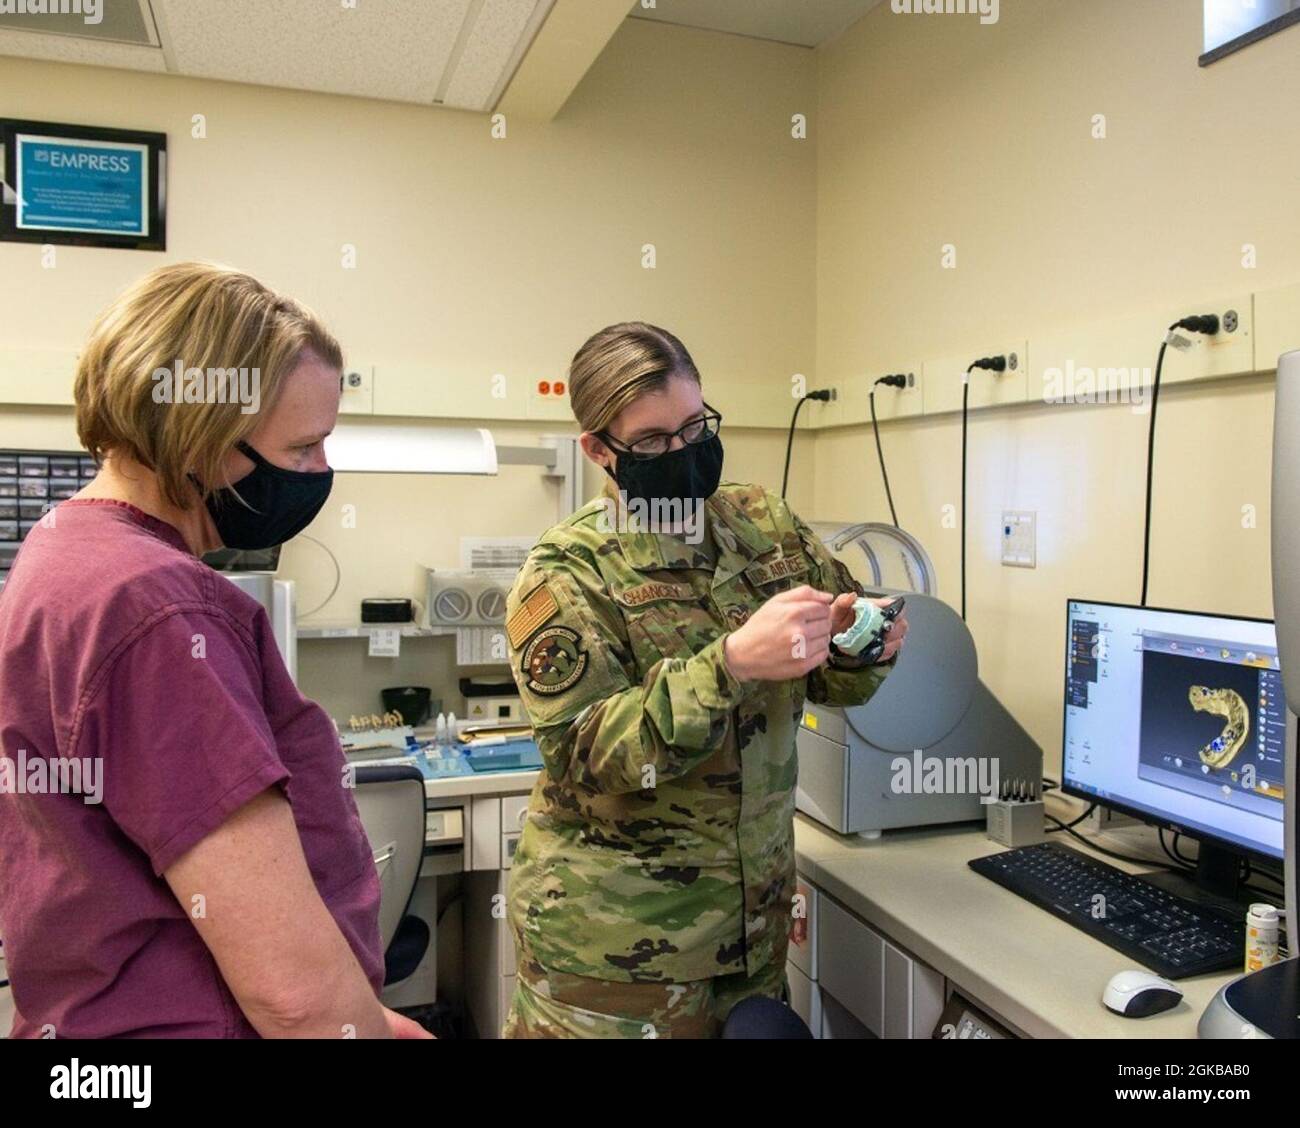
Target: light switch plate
(1019, 539)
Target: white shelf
(364, 630)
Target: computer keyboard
(1172, 936)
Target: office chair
(390, 801)
(761, 1017)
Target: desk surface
(1017, 961)
(478, 783)
(1035, 972)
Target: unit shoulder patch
(534, 612)
(554, 661)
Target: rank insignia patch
(553, 661)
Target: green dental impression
(866, 627)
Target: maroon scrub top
(143, 701)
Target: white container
(1262, 927)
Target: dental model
(865, 638)
(1227, 703)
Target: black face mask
(687, 475)
(276, 505)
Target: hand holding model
(784, 639)
(790, 635)
(875, 632)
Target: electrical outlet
(945, 379)
(1019, 539)
(548, 398)
(357, 392)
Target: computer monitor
(1179, 719)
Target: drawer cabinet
(876, 982)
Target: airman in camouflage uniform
(653, 881)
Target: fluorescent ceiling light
(410, 448)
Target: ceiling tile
(803, 22)
(92, 52)
(492, 44)
(393, 49)
(125, 21)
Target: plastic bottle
(1262, 926)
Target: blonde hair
(195, 315)
(619, 364)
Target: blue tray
(514, 756)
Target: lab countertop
(479, 783)
(1030, 970)
(1026, 967)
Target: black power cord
(1207, 323)
(1179, 857)
(1101, 849)
(1072, 823)
(1171, 851)
(1252, 872)
(889, 382)
(823, 395)
(990, 364)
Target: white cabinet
(489, 952)
(801, 960)
(914, 995)
(514, 812)
(864, 980)
(837, 1022)
(484, 833)
(495, 825)
(803, 932)
(851, 964)
(805, 998)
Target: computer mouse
(1137, 994)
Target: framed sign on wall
(82, 185)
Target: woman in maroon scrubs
(180, 857)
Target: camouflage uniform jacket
(659, 840)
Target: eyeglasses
(699, 430)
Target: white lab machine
(1266, 1003)
(279, 598)
(864, 769)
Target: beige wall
(925, 131)
(478, 256)
(935, 130)
(474, 257)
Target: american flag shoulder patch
(534, 612)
